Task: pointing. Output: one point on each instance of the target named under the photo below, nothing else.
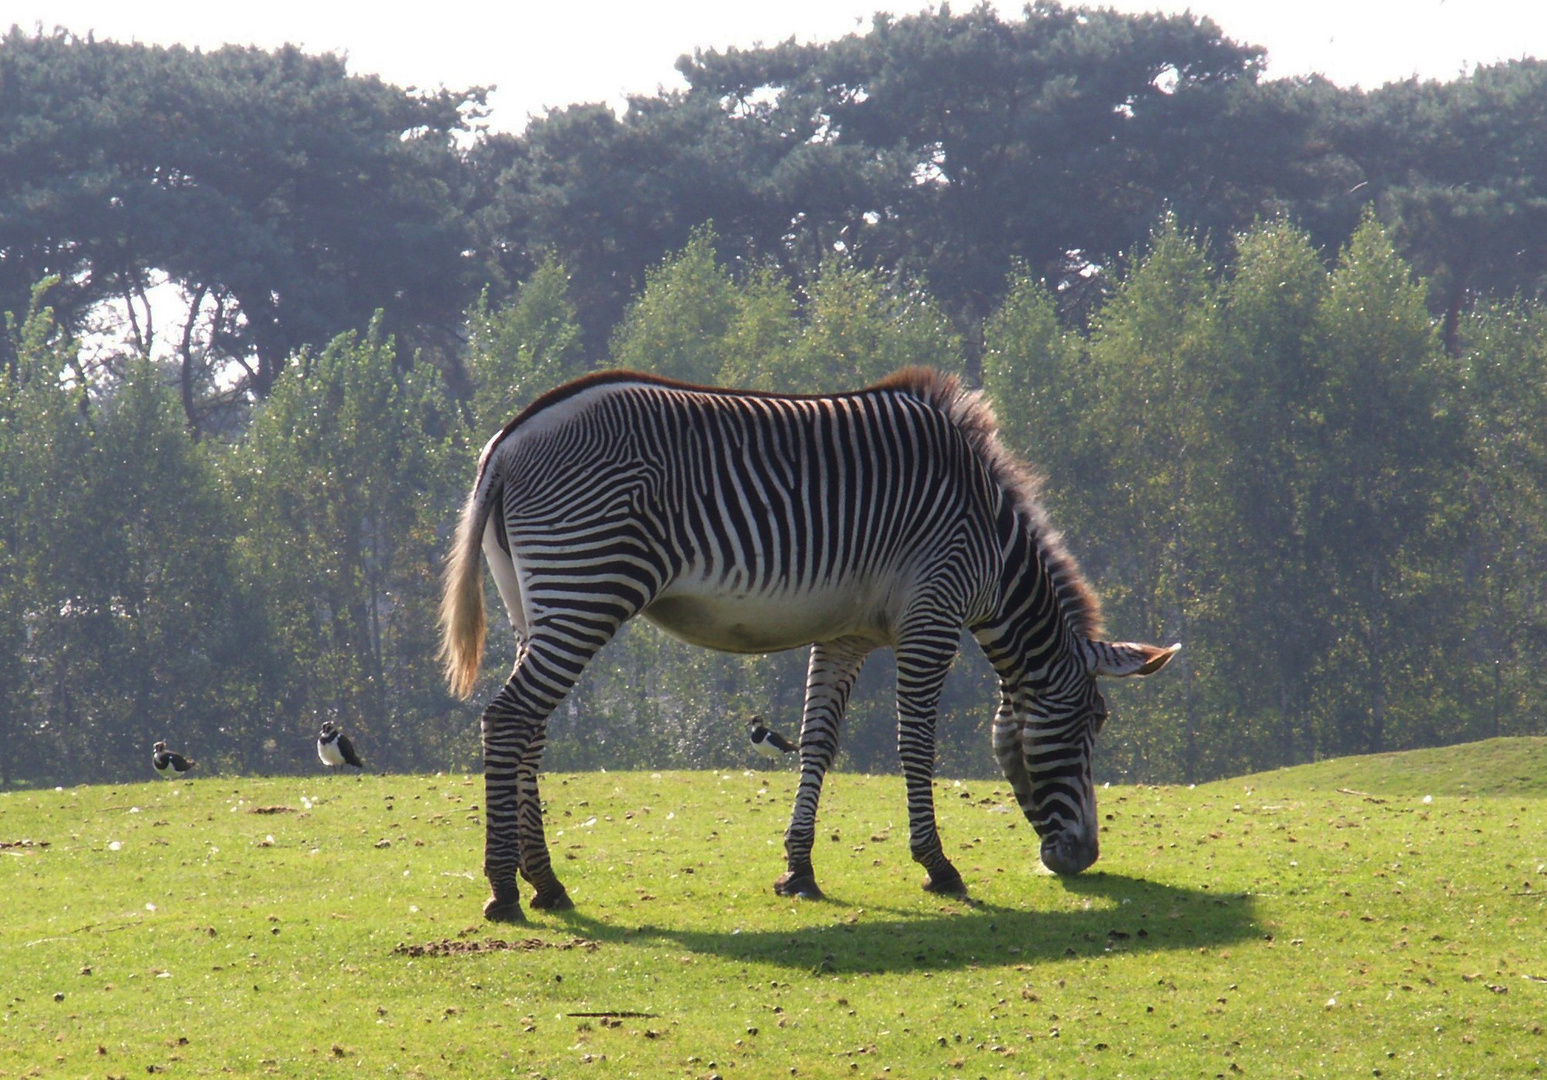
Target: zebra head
(1044, 742)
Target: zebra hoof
(507, 910)
(801, 886)
(945, 880)
(556, 899)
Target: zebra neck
(1032, 632)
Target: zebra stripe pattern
(753, 523)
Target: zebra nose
(1064, 853)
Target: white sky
(554, 54)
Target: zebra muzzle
(1065, 853)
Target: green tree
(347, 478)
(1036, 375)
(1505, 556)
(1155, 353)
(44, 451)
(860, 327)
(182, 641)
(941, 147)
(613, 196)
(693, 321)
(521, 350)
(1271, 377)
(1457, 172)
(761, 342)
(988, 125)
(286, 198)
(1388, 441)
(121, 613)
(678, 325)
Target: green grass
(1505, 767)
(1268, 926)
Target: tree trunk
(1451, 330)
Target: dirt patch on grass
(447, 947)
(271, 810)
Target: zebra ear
(1123, 658)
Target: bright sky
(559, 53)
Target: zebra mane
(971, 413)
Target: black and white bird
(768, 742)
(335, 749)
(169, 764)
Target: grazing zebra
(754, 523)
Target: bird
(169, 764)
(766, 741)
(335, 749)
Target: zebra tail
(462, 622)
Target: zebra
(753, 523)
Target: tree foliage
(344, 481)
(518, 351)
(1458, 169)
(942, 146)
(1277, 348)
(284, 198)
(127, 618)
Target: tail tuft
(462, 622)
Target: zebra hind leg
(503, 732)
(536, 865)
(514, 734)
(829, 678)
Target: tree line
(287, 199)
(1277, 347)
(1276, 462)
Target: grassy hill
(1267, 926)
(1515, 766)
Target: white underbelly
(748, 622)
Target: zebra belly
(764, 623)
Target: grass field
(1324, 921)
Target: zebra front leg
(1010, 754)
(829, 678)
(922, 664)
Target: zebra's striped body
(754, 523)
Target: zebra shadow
(1117, 914)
